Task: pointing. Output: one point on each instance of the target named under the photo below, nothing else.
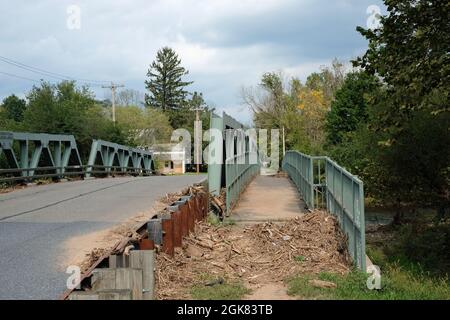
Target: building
(171, 158)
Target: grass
(414, 266)
(214, 220)
(221, 291)
(396, 284)
(422, 247)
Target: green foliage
(395, 135)
(14, 108)
(143, 127)
(410, 53)
(221, 291)
(299, 109)
(349, 108)
(213, 219)
(185, 116)
(396, 283)
(420, 247)
(165, 84)
(328, 80)
(66, 109)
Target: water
(376, 216)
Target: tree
(184, 117)
(312, 110)
(410, 53)
(350, 106)
(328, 80)
(268, 101)
(292, 106)
(165, 84)
(14, 107)
(66, 109)
(129, 97)
(410, 118)
(143, 127)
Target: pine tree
(165, 84)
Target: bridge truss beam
(107, 158)
(34, 155)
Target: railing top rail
(344, 171)
(23, 136)
(329, 160)
(117, 147)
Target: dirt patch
(260, 256)
(272, 291)
(9, 189)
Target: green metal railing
(122, 158)
(325, 184)
(239, 172)
(240, 160)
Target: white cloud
(224, 44)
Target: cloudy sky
(225, 44)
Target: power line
(50, 74)
(19, 77)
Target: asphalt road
(35, 221)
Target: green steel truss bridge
(31, 156)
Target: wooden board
(127, 278)
(83, 295)
(145, 260)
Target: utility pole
(113, 88)
(198, 148)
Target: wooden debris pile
(256, 254)
(170, 198)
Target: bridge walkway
(268, 198)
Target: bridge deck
(268, 198)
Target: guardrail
(239, 172)
(323, 183)
(123, 159)
(30, 156)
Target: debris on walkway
(257, 255)
(218, 203)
